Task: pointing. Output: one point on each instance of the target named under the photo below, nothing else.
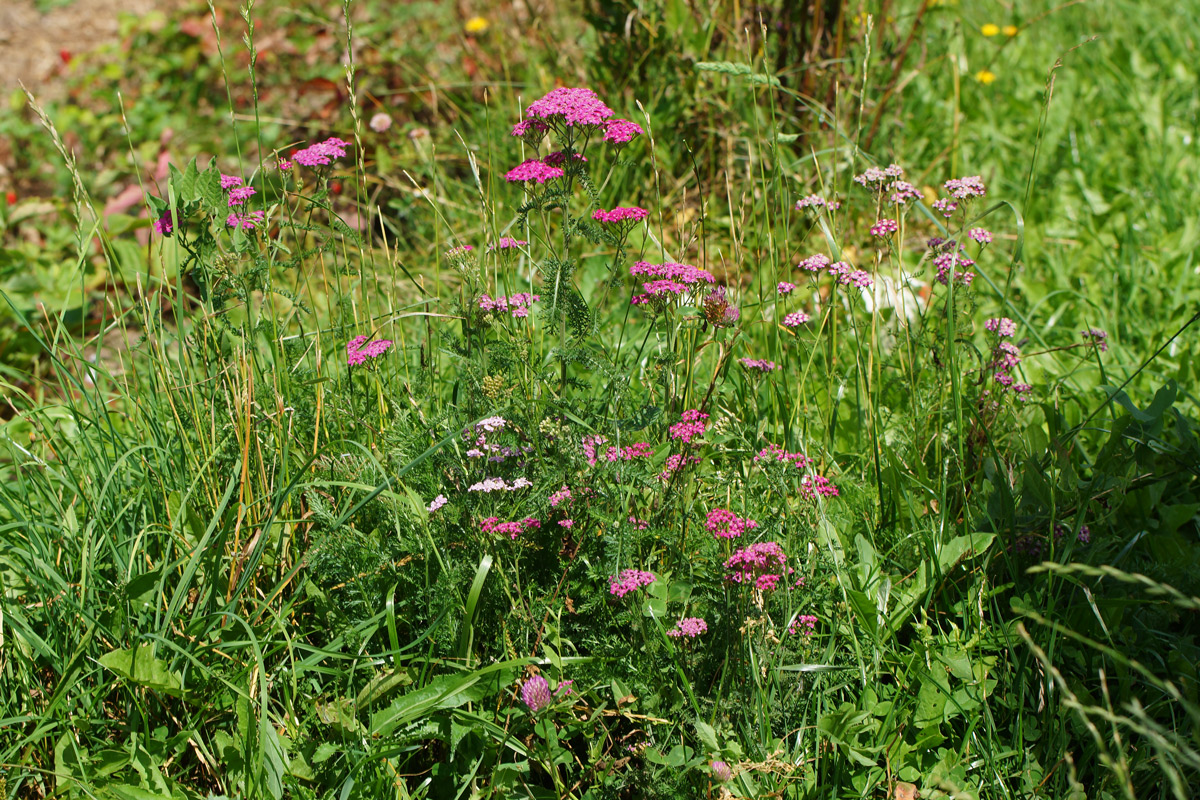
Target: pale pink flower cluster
(902, 192)
(510, 529)
(358, 351)
(759, 365)
(762, 563)
(877, 178)
(795, 319)
(949, 256)
(320, 154)
(885, 227)
(815, 201)
(621, 215)
(724, 524)
(489, 485)
(437, 503)
(774, 452)
(691, 426)
(847, 275)
(517, 304)
(814, 263)
(630, 580)
(785, 288)
(1001, 326)
(981, 235)
(691, 627)
(533, 170)
(683, 273)
(965, 188)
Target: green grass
(219, 576)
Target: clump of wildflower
(621, 131)
(510, 529)
(721, 771)
(489, 485)
(691, 426)
(815, 201)
(762, 563)
(380, 122)
(240, 194)
(322, 153)
(1001, 326)
(561, 496)
(491, 424)
(459, 252)
(785, 288)
(718, 311)
(359, 351)
(902, 192)
(814, 486)
(981, 235)
(877, 178)
(283, 165)
(675, 463)
(759, 365)
(724, 524)
(691, 627)
(566, 523)
(629, 580)
(559, 158)
(230, 181)
(946, 206)
(795, 319)
(885, 227)
(531, 130)
(247, 221)
(517, 305)
(507, 243)
(533, 170)
(774, 452)
(535, 693)
(683, 273)
(948, 257)
(965, 188)
(1083, 537)
(1097, 337)
(437, 503)
(621, 215)
(805, 624)
(814, 263)
(570, 108)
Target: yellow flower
(476, 25)
(985, 76)
(1010, 30)
(991, 29)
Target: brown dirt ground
(31, 42)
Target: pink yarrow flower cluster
(437, 503)
(1097, 337)
(691, 426)
(240, 194)
(795, 319)
(762, 564)
(489, 485)
(758, 365)
(358, 351)
(1001, 326)
(885, 227)
(630, 580)
(322, 153)
(805, 624)
(878, 178)
(247, 222)
(533, 170)
(785, 288)
(691, 627)
(563, 495)
(724, 524)
(621, 215)
(592, 445)
(566, 108)
(510, 529)
(814, 486)
(507, 243)
(675, 463)
(681, 273)
(815, 201)
(949, 257)
(774, 452)
(517, 304)
(621, 131)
